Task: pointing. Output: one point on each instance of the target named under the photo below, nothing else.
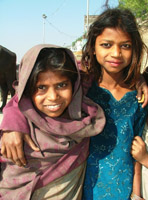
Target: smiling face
(113, 49)
(53, 93)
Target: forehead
(115, 34)
(51, 76)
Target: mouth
(115, 63)
(53, 108)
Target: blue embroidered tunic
(109, 173)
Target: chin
(53, 114)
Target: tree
(138, 7)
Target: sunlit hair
(119, 19)
(55, 60)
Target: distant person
(59, 119)
(113, 54)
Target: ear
(94, 51)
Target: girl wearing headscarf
(59, 120)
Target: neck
(114, 83)
(111, 81)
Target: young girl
(59, 120)
(113, 54)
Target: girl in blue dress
(113, 54)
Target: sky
(23, 26)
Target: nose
(116, 51)
(52, 94)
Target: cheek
(37, 99)
(99, 56)
(68, 96)
(129, 58)
(69, 93)
(100, 52)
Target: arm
(15, 132)
(137, 179)
(139, 151)
(13, 119)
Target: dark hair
(145, 74)
(53, 59)
(120, 19)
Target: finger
(145, 98)
(139, 141)
(8, 153)
(139, 94)
(135, 143)
(145, 92)
(15, 157)
(142, 88)
(21, 156)
(144, 103)
(137, 137)
(142, 99)
(133, 152)
(3, 151)
(134, 148)
(30, 142)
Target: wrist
(144, 162)
(135, 197)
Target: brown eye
(106, 45)
(61, 85)
(126, 46)
(41, 87)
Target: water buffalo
(7, 73)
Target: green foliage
(138, 7)
(80, 38)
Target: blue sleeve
(140, 119)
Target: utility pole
(87, 15)
(106, 3)
(44, 17)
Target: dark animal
(7, 73)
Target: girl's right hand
(12, 146)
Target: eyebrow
(44, 83)
(106, 40)
(68, 80)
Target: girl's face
(53, 93)
(113, 49)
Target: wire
(60, 31)
(61, 5)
